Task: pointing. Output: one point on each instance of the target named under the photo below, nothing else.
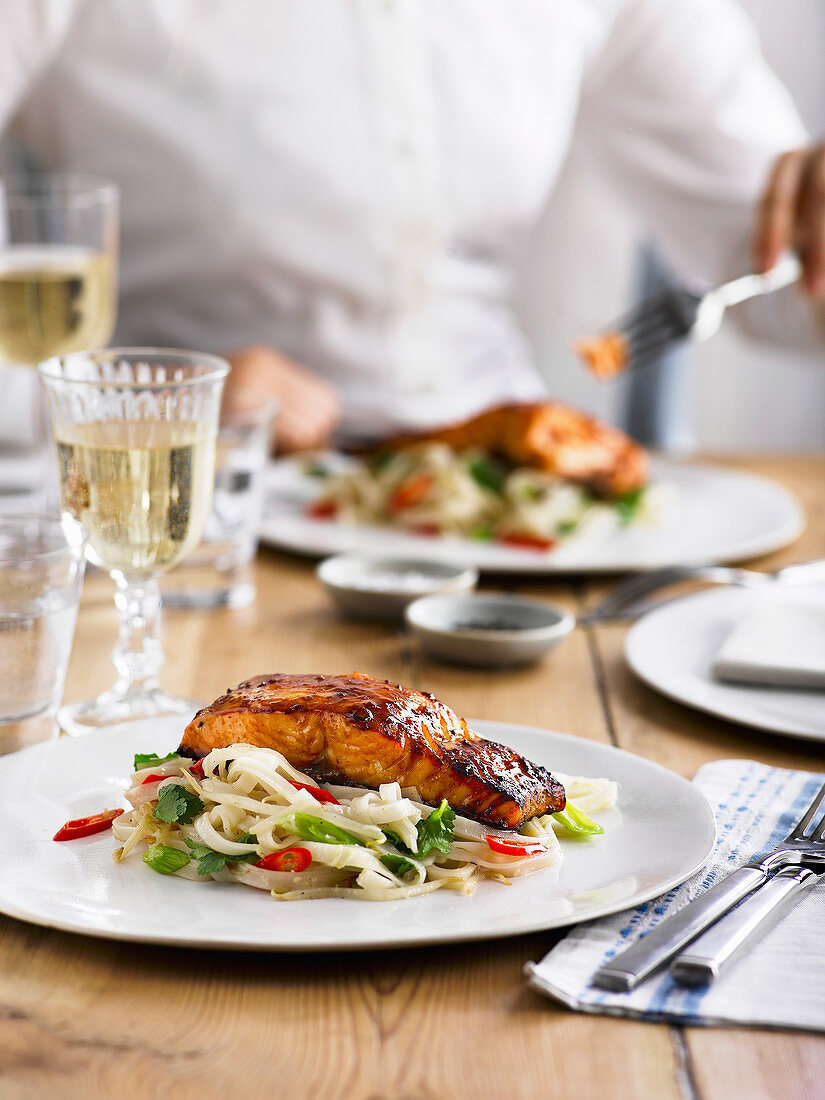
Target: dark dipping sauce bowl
(487, 629)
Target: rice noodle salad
(245, 815)
(431, 489)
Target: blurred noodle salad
(432, 489)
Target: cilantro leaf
(628, 504)
(177, 804)
(399, 865)
(198, 850)
(150, 759)
(314, 468)
(487, 473)
(395, 839)
(314, 828)
(165, 860)
(379, 461)
(482, 533)
(210, 861)
(436, 831)
(216, 861)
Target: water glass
(41, 574)
(218, 572)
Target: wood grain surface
(88, 1018)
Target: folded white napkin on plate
(21, 465)
(781, 644)
(780, 984)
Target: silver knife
(717, 948)
(800, 846)
(625, 971)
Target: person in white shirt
(334, 194)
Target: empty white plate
(672, 650)
(662, 832)
(715, 514)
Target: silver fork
(799, 848)
(677, 313)
(629, 597)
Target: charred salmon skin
(363, 732)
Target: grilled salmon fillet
(360, 731)
(552, 437)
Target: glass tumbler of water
(41, 574)
(218, 572)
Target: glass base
(22, 732)
(209, 599)
(111, 709)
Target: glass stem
(138, 654)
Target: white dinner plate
(714, 514)
(672, 649)
(662, 832)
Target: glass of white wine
(58, 288)
(135, 432)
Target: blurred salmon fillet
(549, 436)
(363, 732)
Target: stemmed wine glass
(58, 282)
(135, 431)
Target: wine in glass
(58, 280)
(135, 431)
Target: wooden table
(84, 1017)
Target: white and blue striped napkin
(781, 983)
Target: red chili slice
(322, 509)
(318, 793)
(288, 859)
(196, 769)
(155, 777)
(515, 847)
(86, 826)
(410, 492)
(528, 542)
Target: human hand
(310, 409)
(791, 214)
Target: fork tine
(652, 338)
(664, 302)
(646, 347)
(650, 307)
(645, 322)
(638, 360)
(634, 588)
(799, 829)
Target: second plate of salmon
(696, 514)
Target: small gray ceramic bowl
(480, 629)
(366, 587)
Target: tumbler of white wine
(135, 432)
(58, 281)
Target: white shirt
(352, 181)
